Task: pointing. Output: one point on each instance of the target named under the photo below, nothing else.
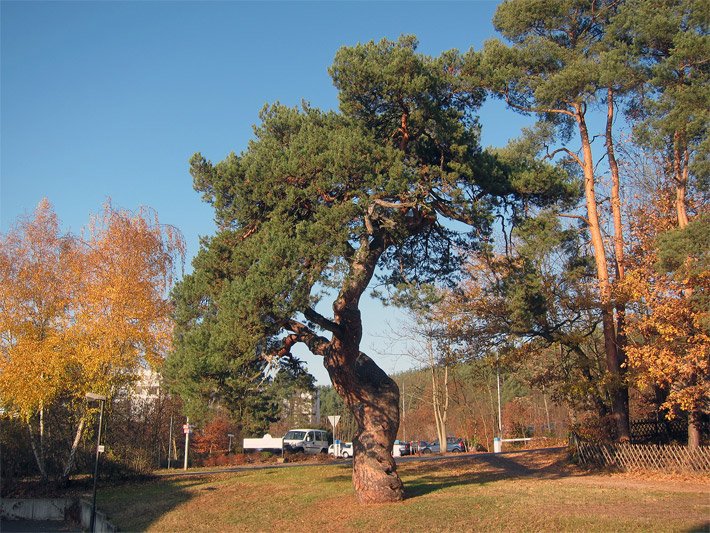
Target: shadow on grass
(138, 507)
(131, 499)
(700, 528)
(135, 506)
(482, 469)
(340, 478)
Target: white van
(311, 441)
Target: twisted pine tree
(319, 204)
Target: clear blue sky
(110, 99)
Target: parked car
(401, 448)
(346, 450)
(453, 445)
(421, 446)
(311, 441)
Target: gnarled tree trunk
(373, 398)
(370, 394)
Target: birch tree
(80, 315)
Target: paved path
(34, 526)
(406, 459)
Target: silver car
(453, 445)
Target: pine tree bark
(373, 399)
(615, 189)
(618, 389)
(619, 263)
(369, 393)
(680, 176)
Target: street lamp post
(229, 448)
(170, 440)
(102, 400)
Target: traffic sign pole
(334, 422)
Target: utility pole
(170, 440)
(187, 440)
(500, 421)
(404, 417)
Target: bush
(595, 429)
(16, 460)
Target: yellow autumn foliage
(79, 315)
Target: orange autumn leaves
(669, 327)
(81, 314)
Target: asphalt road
(398, 460)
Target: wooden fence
(665, 457)
(662, 431)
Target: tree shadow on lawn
(134, 507)
(700, 528)
(340, 478)
(483, 468)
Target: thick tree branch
(578, 217)
(394, 205)
(449, 211)
(249, 231)
(524, 109)
(362, 268)
(567, 151)
(301, 333)
(321, 321)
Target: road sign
(187, 428)
(334, 420)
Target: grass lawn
(524, 491)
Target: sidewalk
(32, 526)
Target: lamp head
(94, 396)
